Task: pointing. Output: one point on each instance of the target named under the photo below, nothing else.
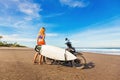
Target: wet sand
(16, 64)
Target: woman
(40, 42)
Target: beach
(17, 64)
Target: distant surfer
(40, 41)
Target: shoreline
(113, 54)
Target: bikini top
(40, 37)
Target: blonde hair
(41, 31)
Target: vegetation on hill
(6, 44)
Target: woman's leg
(35, 57)
(40, 59)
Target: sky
(87, 23)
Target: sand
(16, 64)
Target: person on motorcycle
(69, 46)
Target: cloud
(16, 38)
(30, 9)
(103, 35)
(101, 38)
(19, 16)
(23, 7)
(74, 3)
(52, 34)
(14, 11)
(53, 15)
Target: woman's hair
(42, 31)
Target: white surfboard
(56, 53)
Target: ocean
(111, 51)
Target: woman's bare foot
(34, 62)
(40, 63)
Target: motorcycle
(79, 62)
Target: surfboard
(56, 53)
